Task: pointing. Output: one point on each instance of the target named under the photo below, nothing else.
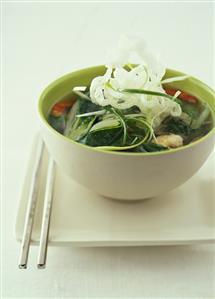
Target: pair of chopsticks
(31, 208)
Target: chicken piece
(171, 140)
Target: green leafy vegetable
(85, 106)
(58, 123)
(80, 128)
(174, 125)
(109, 137)
(77, 128)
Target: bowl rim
(119, 153)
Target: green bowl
(117, 174)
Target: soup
(129, 129)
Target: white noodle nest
(107, 89)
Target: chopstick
(43, 246)
(29, 219)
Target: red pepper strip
(65, 103)
(59, 108)
(184, 96)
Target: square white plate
(82, 218)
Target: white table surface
(42, 41)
